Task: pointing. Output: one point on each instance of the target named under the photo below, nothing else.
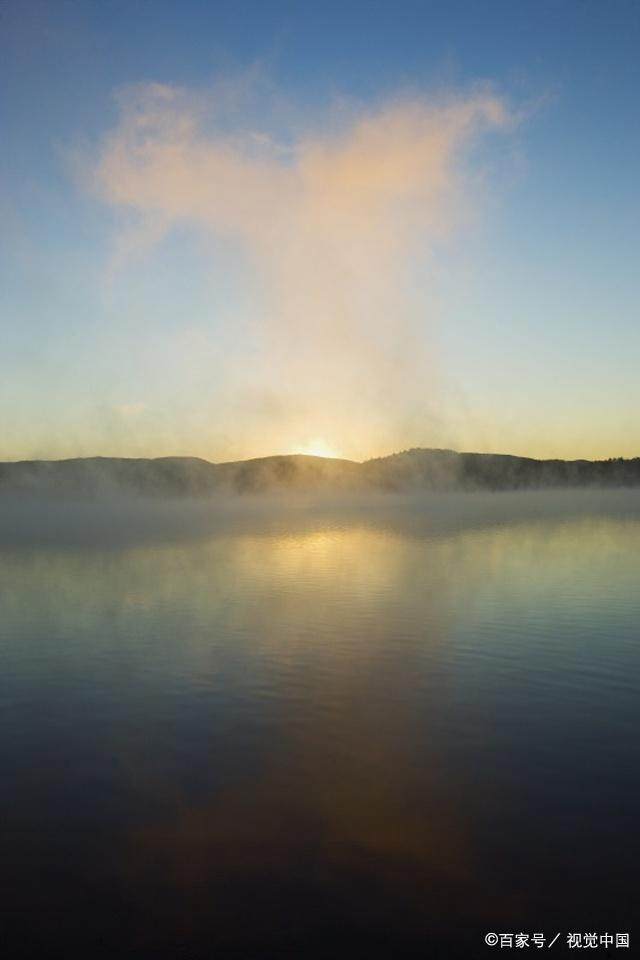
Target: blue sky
(527, 310)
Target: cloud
(331, 220)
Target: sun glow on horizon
(318, 447)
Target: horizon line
(311, 456)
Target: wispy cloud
(330, 220)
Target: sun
(318, 448)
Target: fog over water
(121, 519)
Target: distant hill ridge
(410, 470)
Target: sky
(232, 229)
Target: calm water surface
(376, 732)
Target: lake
(381, 728)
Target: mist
(122, 521)
(331, 222)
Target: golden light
(317, 448)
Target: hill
(409, 471)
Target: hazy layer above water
(119, 520)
